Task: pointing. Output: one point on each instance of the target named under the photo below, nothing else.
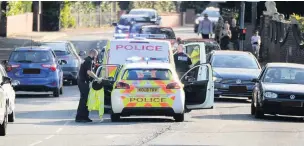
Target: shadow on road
(248, 117)
(42, 95)
(232, 100)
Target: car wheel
(179, 117)
(11, 117)
(56, 92)
(74, 82)
(259, 113)
(252, 108)
(115, 117)
(61, 91)
(3, 126)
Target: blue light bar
(151, 36)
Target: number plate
(238, 89)
(292, 104)
(147, 89)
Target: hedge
(18, 7)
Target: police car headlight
(270, 95)
(119, 31)
(215, 79)
(196, 21)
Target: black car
(168, 32)
(137, 28)
(233, 72)
(279, 90)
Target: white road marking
(35, 143)
(49, 137)
(58, 130)
(111, 136)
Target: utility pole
(242, 25)
(254, 14)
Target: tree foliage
(18, 7)
(199, 6)
(66, 20)
(160, 6)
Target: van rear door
(120, 50)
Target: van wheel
(11, 117)
(3, 126)
(179, 117)
(115, 117)
(56, 92)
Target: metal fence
(94, 19)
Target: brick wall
(19, 24)
(171, 19)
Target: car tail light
(173, 85)
(51, 67)
(10, 67)
(122, 85)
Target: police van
(118, 51)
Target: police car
(152, 88)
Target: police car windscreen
(31, 57)
(121, 50)
(147, 74)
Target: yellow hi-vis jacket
(96, 101)
(195, 56)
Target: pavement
(42, 120)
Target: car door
(60, 72)
(73, 50)
(8, 89)
(2, 100)
(199, 87)
(194, 49)
(104, 71)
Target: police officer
(182, 61)
(85, 76)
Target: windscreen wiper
(25, 61)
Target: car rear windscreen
(60, 49)
(156, 30)
(31, 56)
(147, 74)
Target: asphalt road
(43, 120)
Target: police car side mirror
(82, 53)
(62, 62)
(110, 78)
(4, 62)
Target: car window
(211, 46)
(60, 49)
(191, 49)
(31, 56)
(127, 20)
(156, 30)
(234, 61)
(147, 74)
(284, 75)
(147, 13)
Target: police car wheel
(179, 117)
(56, 92)
(115, 117)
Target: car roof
(34, 48)
(229, 52)
(55, 42)
(157, 26)
(131, 16)
(151, 64)
(144, 9)
(288, 65)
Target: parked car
(151, 13)
(122, 28)
(4, 106)
(10, 92)
(213, 16)
(65, 50)
(37, 69)
(137, 29)
(279, 90)
(233, 72)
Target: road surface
(43, 120)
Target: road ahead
(47, 121)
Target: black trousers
(205, 36)
(82, 111)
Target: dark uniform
(182, 63)
(84, 88)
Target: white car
(153, 88)
(7, 101)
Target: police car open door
(109, 72)
(196, 52)
(199, 87)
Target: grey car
(66, 50)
